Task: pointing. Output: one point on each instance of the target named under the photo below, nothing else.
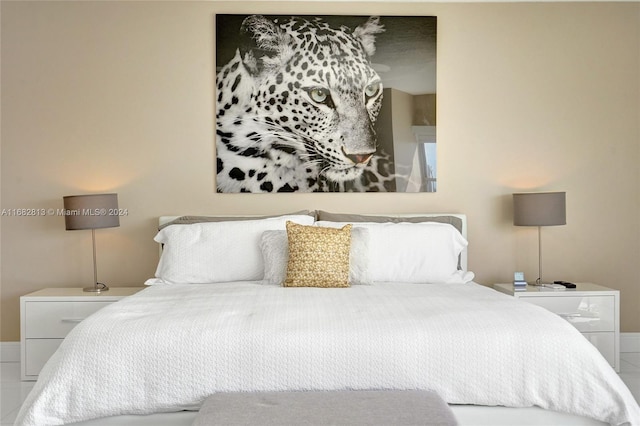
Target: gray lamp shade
(91, 211)
(539, 209)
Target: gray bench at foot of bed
(326, 408)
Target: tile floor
(13, 391)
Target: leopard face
(296, 112)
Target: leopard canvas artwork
(302, 104)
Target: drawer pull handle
(74, 320)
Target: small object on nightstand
(519, 283)
(567, 284)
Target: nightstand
(48, 315)
(591, 308)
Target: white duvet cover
(169, 347)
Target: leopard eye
(372, 89)
(318, 94)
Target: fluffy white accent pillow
(275, 254)
(216, 251)
(412, 252)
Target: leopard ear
(366, 33)
(265, 43)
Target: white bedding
(168, 347)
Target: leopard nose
(358, 158)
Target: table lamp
(539, 209)
(93, 212)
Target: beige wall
(118, 96)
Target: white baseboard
(9, 351)
(629, 342)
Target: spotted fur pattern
(296, 110)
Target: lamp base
(98, 288)
(539, 283)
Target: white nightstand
(47, 316)
(591, 308)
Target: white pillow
(412, 252)
(275, 254)
(211, 252)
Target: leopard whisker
(324, 170)
(297, 139)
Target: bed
(233, 308)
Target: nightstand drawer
(605, 342)
(587, 314)
(56, 319)
(40, 350)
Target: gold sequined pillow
(318, 257)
